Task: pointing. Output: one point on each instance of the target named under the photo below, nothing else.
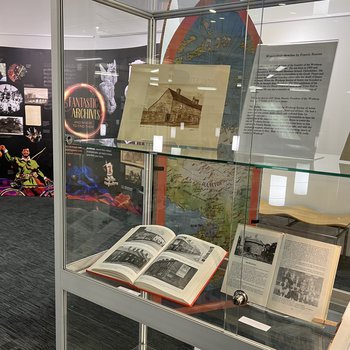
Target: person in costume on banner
(28, 173)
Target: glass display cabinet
(201, 173)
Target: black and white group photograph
(10, 99)
(298, 286)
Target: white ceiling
(89, 25)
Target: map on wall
(218, 38)
(199, 195)
(200, 201)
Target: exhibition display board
(189, 180)
(25, 119)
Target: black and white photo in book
(145, 234)
(190, 249)
(130, 256)
(289, 274)
(257, 248)
(171, 271)
(298, 286)
(154, 259)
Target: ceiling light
(212, 11)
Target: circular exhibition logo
(85, 110)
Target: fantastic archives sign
(85, 110)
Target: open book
(154, 259)
(286, 273)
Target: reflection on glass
(301, 180)
(91, 326)
(104, 187)
(278, 188)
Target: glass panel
(180, 117)
(159, 341)
(313, 206)
(206, 143)
(312, 97)
(104, 185)
(288, 257)
(91, 327)
(206, 201)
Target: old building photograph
(173, 109)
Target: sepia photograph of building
(173, 109)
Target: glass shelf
(322, 164)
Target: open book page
(132, 254)
(304, 279)
(183, 269)
(252, 262)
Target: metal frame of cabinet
(147, 313)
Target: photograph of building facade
(173, 109)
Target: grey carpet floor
(27, 316)
(27, 306)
